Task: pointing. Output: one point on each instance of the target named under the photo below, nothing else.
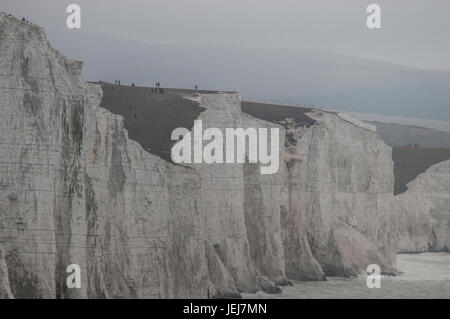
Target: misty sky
(414, 32)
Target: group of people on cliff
(157, 88)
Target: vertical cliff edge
(74, 189)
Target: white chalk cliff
(424, 211)
(74, 189)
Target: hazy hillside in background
(404, 135)
(303, 77)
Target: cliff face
(5, 290)
(424, 211)
(74, 189)
(340, 196)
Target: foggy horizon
(319, 54)
(412, 32)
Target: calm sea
(424, 275)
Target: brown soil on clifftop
(409, 162)
(278, 113)
(150, 117)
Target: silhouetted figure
(118, 82)
(152, 90)
(132, 84)
(23, 19)
(196, 87)
(115, 81)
